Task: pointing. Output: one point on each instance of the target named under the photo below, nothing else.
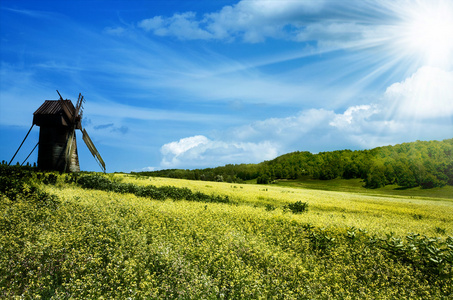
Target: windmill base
(52, 152)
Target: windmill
(58, 121)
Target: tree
(264, 179)
(405, 177)
(376, 176)
(430, 181)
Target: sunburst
(426, 32)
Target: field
(357, 186)
(93, 244)
(377, 213)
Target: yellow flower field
(376, 214)
(61, 241)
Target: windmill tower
(58, 120)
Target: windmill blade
(79, 105)
(68, 150)
(92, 148)
(79, 112)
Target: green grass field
(356, 186)
(96, 244)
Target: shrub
(296, 207)
(16, 184)
(96, 182)
(99, 182)
(262, 180)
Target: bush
(96, 182)
(99, 182)
(16, 184)
(296, 207)
(262, 180)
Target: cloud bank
(428, 93)
(399, 115)
(200, 152)
(330, 23)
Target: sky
(196, 84)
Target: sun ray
(426, 32)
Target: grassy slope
(119, 246)
(377, 213)
(103, 244)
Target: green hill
(425, 164)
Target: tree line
(427, 164)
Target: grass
(92, 244)
(356, 186)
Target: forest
(425, 164)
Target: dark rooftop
(53, 107)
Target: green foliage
(321, 240)
(430, 255)
(48, 177)
(376, 176)
(16, 184)
(296, 207)
(429, 181)
(264, 179)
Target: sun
(427, 32)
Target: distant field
(356, 186)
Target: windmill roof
(51, 113)
(53, 107)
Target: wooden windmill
(58, 121)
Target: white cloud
(256, 142)
(354, 114)
(254, 21)
(428, 93)
(184, 26)
(289, 129)
(146, 169)
(183, 145)
(331, 25)
(152, 23)
(333, 35)
(199, 151)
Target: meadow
(233, 241)
(377, 213)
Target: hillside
(427, 164)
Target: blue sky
(195, 84)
